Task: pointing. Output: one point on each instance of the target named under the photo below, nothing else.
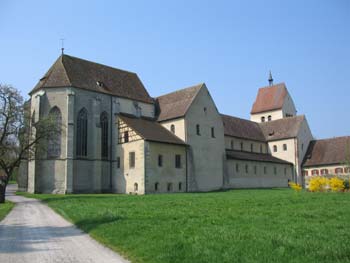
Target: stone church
(116, 138)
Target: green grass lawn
(5, 209)
(235, 226)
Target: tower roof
(270, 98)
(70, 71)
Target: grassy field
(5, 209)
(235, 226)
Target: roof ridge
(100, 64)
(230, 116)
(65, 70)
(199, 85)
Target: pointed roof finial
(62, 45)
(270, 79)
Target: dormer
(272, 103)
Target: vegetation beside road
(275, 225)
(5, 208)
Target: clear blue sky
(229, 45)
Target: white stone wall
(249, 179)
(126, 177)
(167, 173)
(206, 155)
(180, 127)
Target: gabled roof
(70, 71)
(283, 128)
(328, 151)
(175, 105)
(249, 156)
(270, 98)
(151, 130)
(241, 128)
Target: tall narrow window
(156, 186)
(232, 144)
(269, 118)
(241, 146)
(172, 128)
(246, 168)
(126, 136)
(255, 169)
(285, 170)
(131, 159)
(177, 161)
(136, 187)
(54, 143)
(170, 187)
(265, 170)
(263, 119)
(284, 147)
(251, 147)
(180, 186)
(104, 134)
(82, 126)
(118, 162)
(160, 160)
(274, 170)
(198, 130)
(275, 148)
(212, 132)
(237, 167)
(261, 148)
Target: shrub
(295, 186)
(318, 184)
(336, 184)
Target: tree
(20, 137)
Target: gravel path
(33, 232)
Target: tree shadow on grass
(87, 225)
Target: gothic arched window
(54, 142)
(104, 134)
(82, 125)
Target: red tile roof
(328, 151)
(270, 98)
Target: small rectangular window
(177, 161)
(131, 159)
(198, 129)
(241, 146)
(126, 136)
(275, 148)
(284, 147)
(118, 162)
(265, 170)
(274, 170)
(160, 160)
(212, 132)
